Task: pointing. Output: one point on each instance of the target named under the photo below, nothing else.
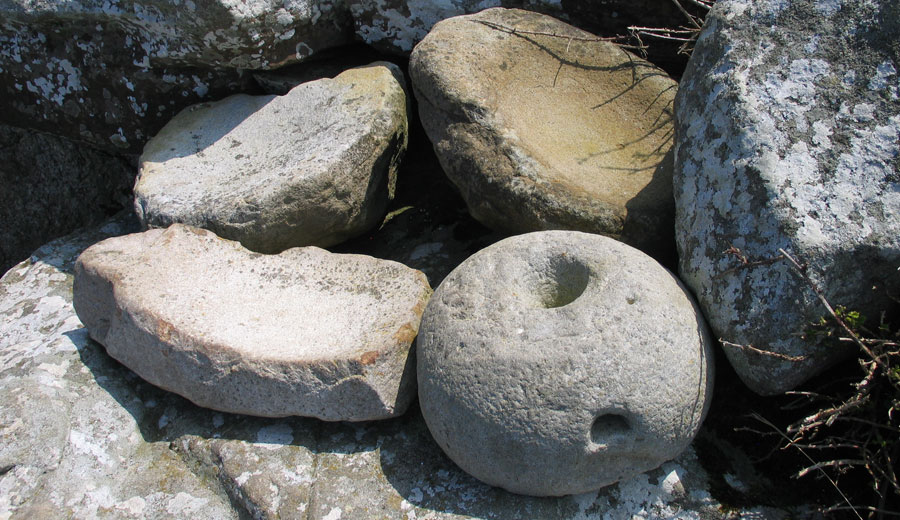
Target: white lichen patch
(84, 444)
(886, 79)
(828, 7)
(134, 506)
(334, 514)
(184, 505)
(61, 80)
(275, 435)
(404, 24)
(639, 496)
(791, 92)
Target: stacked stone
(558, 361)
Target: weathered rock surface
(559, 362)
(398, 25)
(324, 64)
(69, 447)
(306, 332)
(313, 167)
(241, 35)
(112, 73)
(549, 132)
(788, 124)
(52, 186)
(115, 445)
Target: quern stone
(81, 436)
(542, 126)
(788, 125)
(306, 332)
(558, 362)
(313, 167)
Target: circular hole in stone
(608, 428)
(562, 282)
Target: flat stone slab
(542, 126)
(313, 167)
(306, 332)
(559, 362)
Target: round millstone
(559, 362)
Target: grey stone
(112, 73)
(52, 186)
(549, 131)
(71, 447)
(81, 435)
(396, 26)
(559, 362)
(325, 64)
(306, 332)
(313, 167)
(788, 125)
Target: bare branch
(827, 305)
(827, 477)
(830, 464)
(664, 34)
(691, 18)
(762, 352)
(746, 263)
(701, 4)
(863, 508)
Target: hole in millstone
(609, 427)
(563, 281)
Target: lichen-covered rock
(112, 73)
(313, 167)
(398, 25)
(82, 436)
(52, 186)
(549, 132)
(788, 125)
(306, 332)
(559, 362)
(247, 34)
(70, 445)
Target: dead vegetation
(684, 34)
(848, 431)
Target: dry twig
(867, 437)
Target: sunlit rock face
(788, 120)
(550, 128)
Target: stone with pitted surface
(559, 362)
(788, 125)
(306, 332)
(543, 126)
(314, 167)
